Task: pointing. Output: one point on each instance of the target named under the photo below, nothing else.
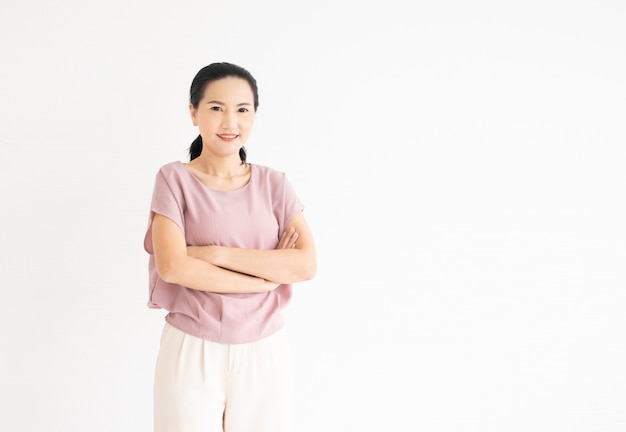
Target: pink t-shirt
(251, 217)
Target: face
(225, 116)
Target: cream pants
(203, 386)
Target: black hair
(208, 74)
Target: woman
(226, 240)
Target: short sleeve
(168, 201)
(292, 204)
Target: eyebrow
(222, 103)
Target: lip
(228, 137)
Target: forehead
(229, 89)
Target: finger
(283, 241)
(286, 239)
(294, 239)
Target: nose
(229, 120)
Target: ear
(193, 113)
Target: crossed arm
(233, 270)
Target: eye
(216, 108)
(243, 110)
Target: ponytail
(196, 149)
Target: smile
(228, 137)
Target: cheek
(205, 121)
(249, 123)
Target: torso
(251, 213)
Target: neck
(219, 167)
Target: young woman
(227, 239)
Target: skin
(225, 118)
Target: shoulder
(171, 167)
(277, 181)
(172, 176)
(271, 174)
(171, 172)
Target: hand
(288, 239)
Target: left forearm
(278, 265)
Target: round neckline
(207, 187)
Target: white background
(463, 170)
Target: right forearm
(202, 276)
